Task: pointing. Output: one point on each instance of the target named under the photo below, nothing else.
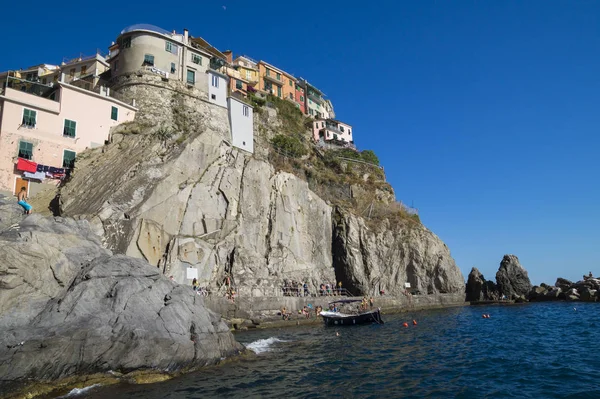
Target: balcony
(315, 98)
(273, 79)
(333, 129)
(28, 87)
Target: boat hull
(341, 319)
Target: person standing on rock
(21, 197)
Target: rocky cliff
(170, 189)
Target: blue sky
(484, 113)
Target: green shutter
(25, 150)
(114, 113)
(29, 117)
(68, 159)
(70, 128)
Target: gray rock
(11, 213)
(512, 278)
(480, 289)
(572, 294)
(563, 284)
(537, 293)
(68, 307)
(368, 260)
(587, 295)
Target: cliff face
(170, 189)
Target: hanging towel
(37, 175)
(26, 165)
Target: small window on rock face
(243, 143)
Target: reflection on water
(531, 351)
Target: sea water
(543, 350)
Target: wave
(263, 345)
(79, 391)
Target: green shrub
(369, 156)
(289, 145)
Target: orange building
(281, 84)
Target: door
(21, 183)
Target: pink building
(43, 127)
(334, 132)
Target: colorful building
(44, 126)
(243, 73)
(272, 79)
(314, 100)
(334, 132)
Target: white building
(217, 88)
(241, 120)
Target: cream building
(48, 125)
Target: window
(29, 117)
(215, 81)
(114, 113)
(126, 43)
(342, 129)
(29, 76)
(268, 73)
(68, 159)
(278, 76)
(291, 96)
(70, 128)
(213, 97)
(302, 98)
(310, 111)
(148, 60)
(191, 76)
(72, 72)
(349, 132)
(196, 59)
(246, 110)
(279, 91)
(171, 48)
(238, 84)
(291, 82)
(248, 75)
(44, 81)
(25, 150)
(83, 69)
(173, 69)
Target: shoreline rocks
(70, 307)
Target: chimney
(228, 56)
(185, 36)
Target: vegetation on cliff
(343, 177)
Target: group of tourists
(327, 289)
(295, 288)
(305, 312)
(367, 303)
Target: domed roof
(148, 27)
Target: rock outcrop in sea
(480, 289)
(512, 281)
(68, 306)
(585, 290)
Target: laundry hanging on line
(26, 165)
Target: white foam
(79, 391)
(263, 345)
